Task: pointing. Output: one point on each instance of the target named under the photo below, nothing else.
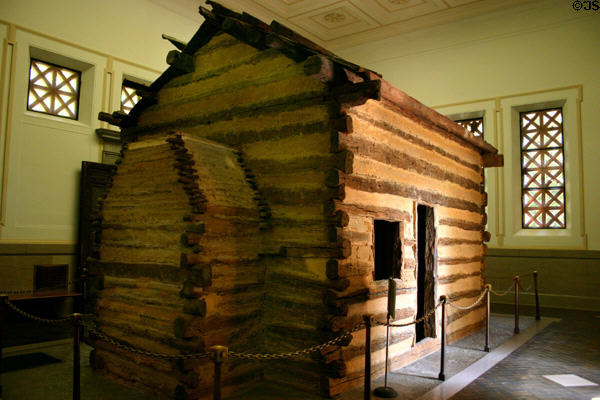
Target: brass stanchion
(217, 355)
(367, 388)
(517, 279)
(442, 375)
(76, 318)
(487, 318)
(3, 300)
(537, 298)
(385, 391)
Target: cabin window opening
(388, 249)
(426, 254)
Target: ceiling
(338, 24)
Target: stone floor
(515, 367)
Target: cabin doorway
(425, 271)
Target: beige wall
(41, 155)
(538, 53)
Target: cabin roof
(260, 35)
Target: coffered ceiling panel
(390, 11)
(291, 8)
(335, 21)
(337, 24)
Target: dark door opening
(425, 271)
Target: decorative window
(53, 90)
(542, 169)
(473, 125)
(129, 98)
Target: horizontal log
(337, 323)
(388, 155)
(352, 351)
(464, 294)
(355, 94)
(343, 124)
(320, 68)
(195, 307)
(376, 212)
(396, 99)
(175, 42)
(487, 236)
(342, 161)
(159, 272)
(445, 241)
(377, 186)
(244, 32)
(459, 260)
(341, 250)
(493, 160)
(466, 225)
(382, 124)
(183, 63)
(456, 277)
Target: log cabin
(266, 192)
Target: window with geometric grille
(53, 89)
(542, 169)
(473, 125)
(129, 98)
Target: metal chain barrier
(472, 305)
(116, 342)
(35, 317)
(297, 353)
(29, 291)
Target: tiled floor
(568, 346)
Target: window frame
(523, 151)
(33, 59)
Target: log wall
(398, 163)
(243, 216)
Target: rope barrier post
(3, 306)
(385, 391)
(487, 318)
(442, 375)
(217, 355)
(517, 279)
(537, 298)
(83, 281)
(367, 388)
(76, 318)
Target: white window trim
(573, 236)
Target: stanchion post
(76, 318)
(217, 355)
(537, 298)
(367, 389)
(442, 375)
(3, 300)
(487, 318)
(517, 279)
(83, 280)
